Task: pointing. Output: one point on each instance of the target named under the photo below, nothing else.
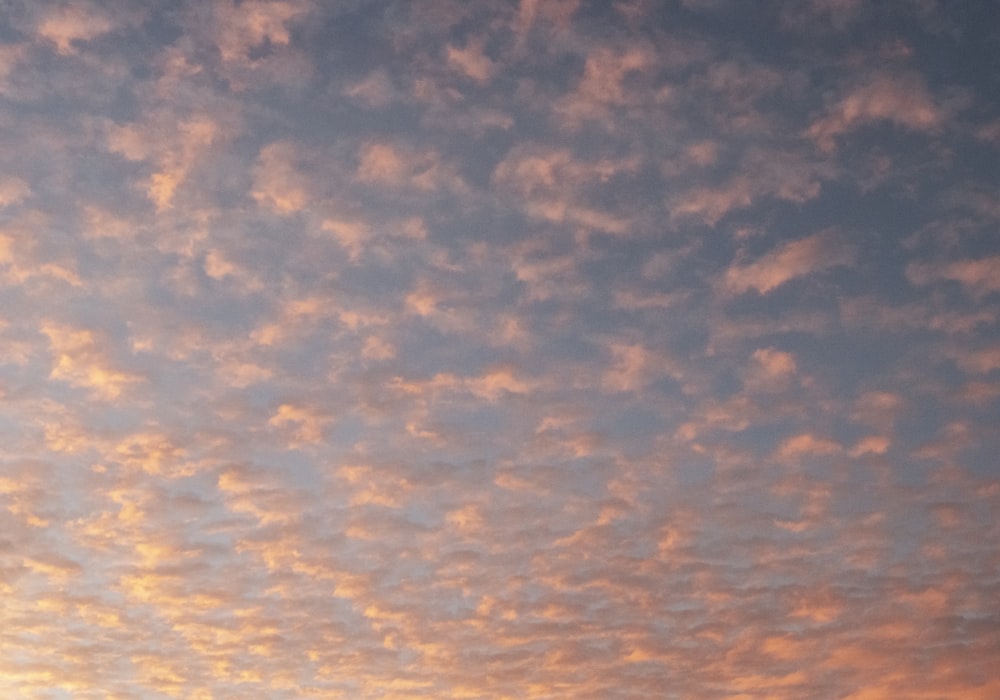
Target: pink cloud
(902, 100)
(878, 409)
(873, 444)
(172, 144)
(978, 361)
(789, 261)
(279, 183)
(375, 91)
(554, 15)
(553, 185)
(605, 85)
(783, 175)
(72, 23)
(980, 277)
(711, 204)
(471, 61)
(633, 366)
(394, 165)
(807, 444)
(770, 370)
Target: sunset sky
(497, 350)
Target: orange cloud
(306, 425)
(82, 361)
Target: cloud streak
(793, 260)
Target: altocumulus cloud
(544, 349)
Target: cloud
(712, 204)
(606, 85)
(770, 370)
(375, 91)
(396, 166)
(254, 39)
(279, 184)
(239, 374)
(878, 409)
(633, 366)
(873, 444)
(305, 425)
(493, 384)
(260, 493)
(72, 23)
(547, 276)
(352, 235)
(153, 453)
(13, 190)
(23, 261)
(902, 100)
(782, 175)
(789, 261)
(870, 312)
(10, 56)
(246, 25)
(371, 487)
(471, 61)
(173, 148)
(81, 359)
(977, 361)
(552, 16)
(807, 444)
(552, 185)
(499, 382)
(980, 277)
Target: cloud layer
(538, 350)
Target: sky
(491, 350)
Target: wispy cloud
(789, 261)
(979, 276)
(901, 100)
